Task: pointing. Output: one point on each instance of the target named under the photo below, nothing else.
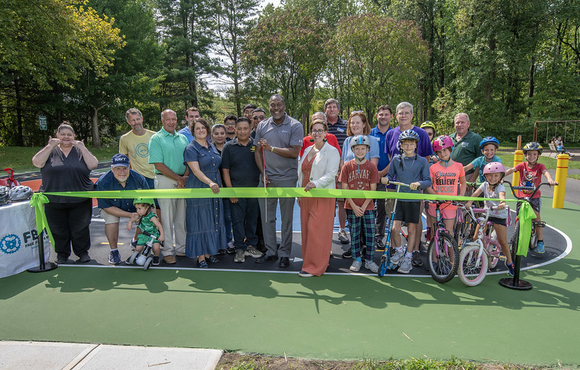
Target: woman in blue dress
(204, 220)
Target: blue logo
(10, 244)
(142, 150)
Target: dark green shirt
(466, 149)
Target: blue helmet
(407, 135)
(489, 140)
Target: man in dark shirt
(337, 127)
(119, 177)
(240, 170)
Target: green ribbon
(254, 192)
(37, 201)
(525, 216)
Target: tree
(186, 31)
(233, 20)
(286, 54)
(44, 43)
(377, 74)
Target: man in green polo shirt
(166, 149)
(465, 141)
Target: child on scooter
(147, 222)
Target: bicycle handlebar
(533, 189)
(398, 183)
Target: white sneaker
(355, 267)
(398, 256)
(343, 237)
(371, 265)
(253, 252)
(406, 265)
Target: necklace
(412, 163)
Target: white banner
(19, 239)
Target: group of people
(256, 151)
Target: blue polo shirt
(107, 181)
(186, 132)
(383, 147)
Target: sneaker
(133, 244)
(304, 274)
(114, 257)
(372, 266)
(398, 256)
(379, 245)
(540, 248)
(347, 254)
(406, 265)
(84, 258)
(221, 252)
(342, 237)
(155, 261)
(417, 260)
(511, 268)
(355, 267)
(240, 256)
(253, 252)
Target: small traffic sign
(42, 122)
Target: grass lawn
(20, 158)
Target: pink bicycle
(481, 254)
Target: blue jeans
(245, 220)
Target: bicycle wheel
(472, 267)
(464, 231)
(443, 258)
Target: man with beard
(119, 177)
(281, 138)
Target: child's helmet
(4, 193)
(360, 140)
(494, 167)
(442, 142)
(428, 124)
(19, 193)
(409, 135)
(144, 201)
(489, 140)
(533, 146)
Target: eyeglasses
(259, 118)
(318, 131)
(356, 112)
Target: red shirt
(330, 138)
(359, 178)
(530, 176)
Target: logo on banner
(10, 244)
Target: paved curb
(67, 356)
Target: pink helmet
(442, 142)
(493, 167)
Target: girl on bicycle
(445, 176)
(494, 173)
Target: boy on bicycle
(147, 221)
(531, 175)
(411, 169)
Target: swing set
(555, 126)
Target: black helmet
(533, 146)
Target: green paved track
(331, 317)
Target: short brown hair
(204, 123)
(319, 121)
(133, 111)
(363, 117)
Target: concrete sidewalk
(66, 356)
